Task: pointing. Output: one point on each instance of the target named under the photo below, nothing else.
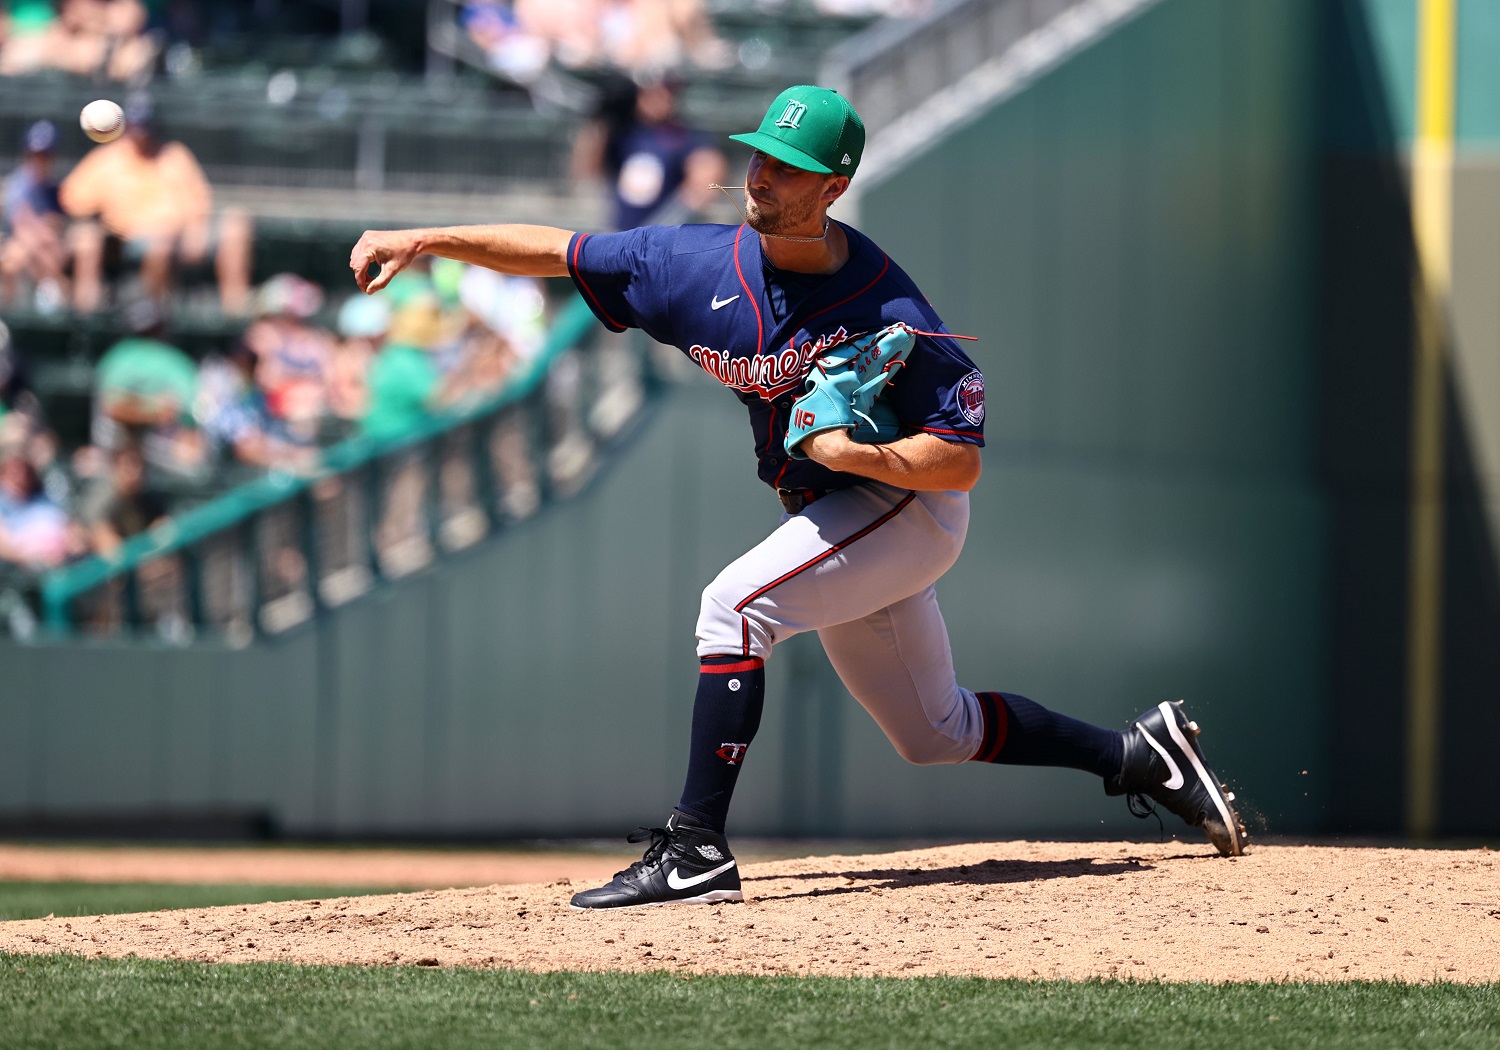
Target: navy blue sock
(1021, 732)
(726, 714)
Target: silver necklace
(778, 236)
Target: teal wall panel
(21, 687)
(269, 696)
(98, 742)
(529, 689)
(1478, 116)
(1471, 542)
(1151, 522)
(1392, 28)
(184, 733)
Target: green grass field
(63, 1002)
(54, 1001)
(35, 900)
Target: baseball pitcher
(868, 420)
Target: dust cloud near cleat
(1164, 764)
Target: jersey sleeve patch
(970, 394)
(940, 391)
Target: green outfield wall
(542, 685)
(1134, 239)
(1370, 87)
(1187, 254)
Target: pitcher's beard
(790, 217)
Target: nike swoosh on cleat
(1174, 781)
(679, 883)
(718, 303)
(1230, 826)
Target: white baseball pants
(858, 566)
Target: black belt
(795, 499)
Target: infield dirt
(1012, 909)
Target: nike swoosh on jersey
(724, 302)
(1174, 781)
(678, 883)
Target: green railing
(269, 554)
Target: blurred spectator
(154, 205)
(513, 308)
(114, 506)
(15, 388)
(123, 508)
(27, 39)
(33, 224)
(228, 404)
(231, 410)
(43, 453)
(83, 37)
(292, 355)
(405, 383)
(22, 424)
(508, 47)
(145, 389)
(637, 36)
(363, 323)
(34, 531)
(488, 360)
(651, 159)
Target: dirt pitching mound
(406, 869)
(1013, 909)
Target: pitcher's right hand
(391, 250)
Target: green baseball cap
(812, 128)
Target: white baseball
(102, 120)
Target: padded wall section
(1134, 239)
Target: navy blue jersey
(647, 165)
(24, 190)
(703, 290)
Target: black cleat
(686, 863)
(1164, 763)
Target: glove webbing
(887, 372)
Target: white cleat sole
(1229, 836)
(711, 897)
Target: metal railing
(270, 554)
(914, 82)
(897, 64)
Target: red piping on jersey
(760, 330)
(755, 663)
(887, 516)
(745, 631)
(577, 247)
(955, 433)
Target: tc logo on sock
(732, 753)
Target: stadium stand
(318, 122)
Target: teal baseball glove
(844, 388)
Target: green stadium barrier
(267, 555)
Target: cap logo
(846, 159)
(791, 117)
